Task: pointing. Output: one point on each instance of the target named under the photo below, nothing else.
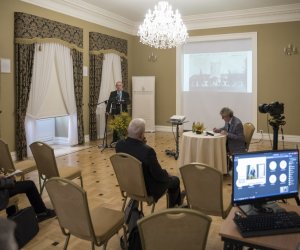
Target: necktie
(119, 95)
(228, 127)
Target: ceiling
(135, 10)
(126, 15)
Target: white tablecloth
(207, 149)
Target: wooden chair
(8, 166)
(129, 173)
(47, 167)
(248, 133)
(204, 189)
(70, 203)
(174, 229)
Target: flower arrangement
(198, 127)
(120, 124)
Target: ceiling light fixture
(163, 28)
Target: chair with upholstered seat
(47, 167)
(204, 189)
(248, 133)
(70, 203)
(174, 229)
(8, 166)
(129, 173)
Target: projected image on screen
(221, 71)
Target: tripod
(104, 142)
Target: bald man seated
(157, 180)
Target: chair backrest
(71, 206)
(173, 229)
(248, 133)
(204, 189)
(6, 162)
(129, 173)
(45, 159)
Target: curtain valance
(31, 29)
(101, 44)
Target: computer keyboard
(268, 224)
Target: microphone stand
(104, 142)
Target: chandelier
(162, 28)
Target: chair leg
(42, 181)
(81, 181)
(153, 206)
(42, 188)
(124, 204)
(104, 246)
(93, 246)
(67, 242)
(141, 205)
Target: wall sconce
(290, 50)
(152, 58)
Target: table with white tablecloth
(203, 148)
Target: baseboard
(287, 138)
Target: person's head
(136, 128)
(119, 86)
(226, 114)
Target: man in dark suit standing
(234, 131)
(118, 100)
(157, 180)
(117, 103)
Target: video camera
(275, 109)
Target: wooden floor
(101, 186)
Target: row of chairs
(170, 229)
(44, 161)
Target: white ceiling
(126, 15)
(135, 10)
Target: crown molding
(275, 14)
(87, 12)
(94, 14)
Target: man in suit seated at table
(157, 180)
(234, 130)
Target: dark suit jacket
(235, 136)
(115, 104)
(156, 178)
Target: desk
(207, 149)
(233, 240)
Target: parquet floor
(101, 186)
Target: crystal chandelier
(162, 28)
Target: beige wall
(7, 95)
(278, 75)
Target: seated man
(9, 187)
(234, 131)
(157, 180)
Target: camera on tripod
(275, 109)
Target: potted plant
(120, 124)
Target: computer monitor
(264, 176)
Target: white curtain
(44, 56)
(64, 69)
(111, 73)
